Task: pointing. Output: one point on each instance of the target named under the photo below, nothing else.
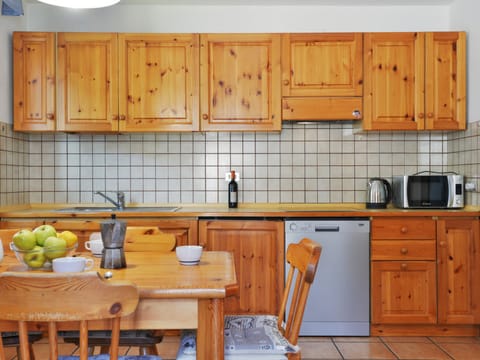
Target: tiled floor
(355, 348)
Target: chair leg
(30, 348)
(148, 350)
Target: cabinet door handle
(286, 82)
(404, 251)
(430, 115)
(421, 115)
(122, 117)
(356, 114)
(50, 116)
(404, 230)
(443, 244)
(205, 117)
(403, 266)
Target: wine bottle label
(233, 197)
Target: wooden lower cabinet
(458, 252)
(185, 230)
(404, 292)
(424, 276)
(258, 248)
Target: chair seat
(246, 337)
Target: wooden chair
(270, 336)
(52, 298)
(137, 238)
(11, 339)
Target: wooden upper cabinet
(87, 75)
(414, 81)
(240, 82)
(445, 81)
(132, 82)
(34, 81)
(394, 81)
(322, 76)
(158, 82)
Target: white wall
(7, 25)
(464, 14)
(158, 18)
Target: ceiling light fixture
(81, 4)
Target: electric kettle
(379, 193)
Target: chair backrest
(59, 297)
(303, 258)
(148, 238)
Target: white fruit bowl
(48, 253)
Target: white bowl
(189, 254)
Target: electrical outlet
(470, 186)
(228, 176)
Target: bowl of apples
(38, 247)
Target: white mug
(95, 246)
(72, 264)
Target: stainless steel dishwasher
(339, 299)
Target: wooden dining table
(172, 296)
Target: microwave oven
(444, 191)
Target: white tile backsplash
(324, 162)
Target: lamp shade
(81, 4)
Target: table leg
(210, 329)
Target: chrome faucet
(119, 204)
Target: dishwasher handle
(327, 228)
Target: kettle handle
(388, 187)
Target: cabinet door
(394, 81)
(240, 82)
(458, 251)
(87, 75)
(158, 82)
(322, 64)
(403, 292)
(34, 81)
(257, 248)
(445, 101)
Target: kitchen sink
(87, 209)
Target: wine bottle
(232, 191)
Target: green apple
(43, 232)
(35, 258)
(24, 239)
(54, 247)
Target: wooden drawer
(402, 228)
(403, 250)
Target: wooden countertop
(243, 211)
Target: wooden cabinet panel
(240, 82)
(322, 76)
(402, 228)
(404, 292)
(445, 90)
(87, 74)
(158, 82)
(458, 271)
(258, 249)
(322, 64)
(415, 81)
(34, 81)
(403, 250)
(394, 81)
